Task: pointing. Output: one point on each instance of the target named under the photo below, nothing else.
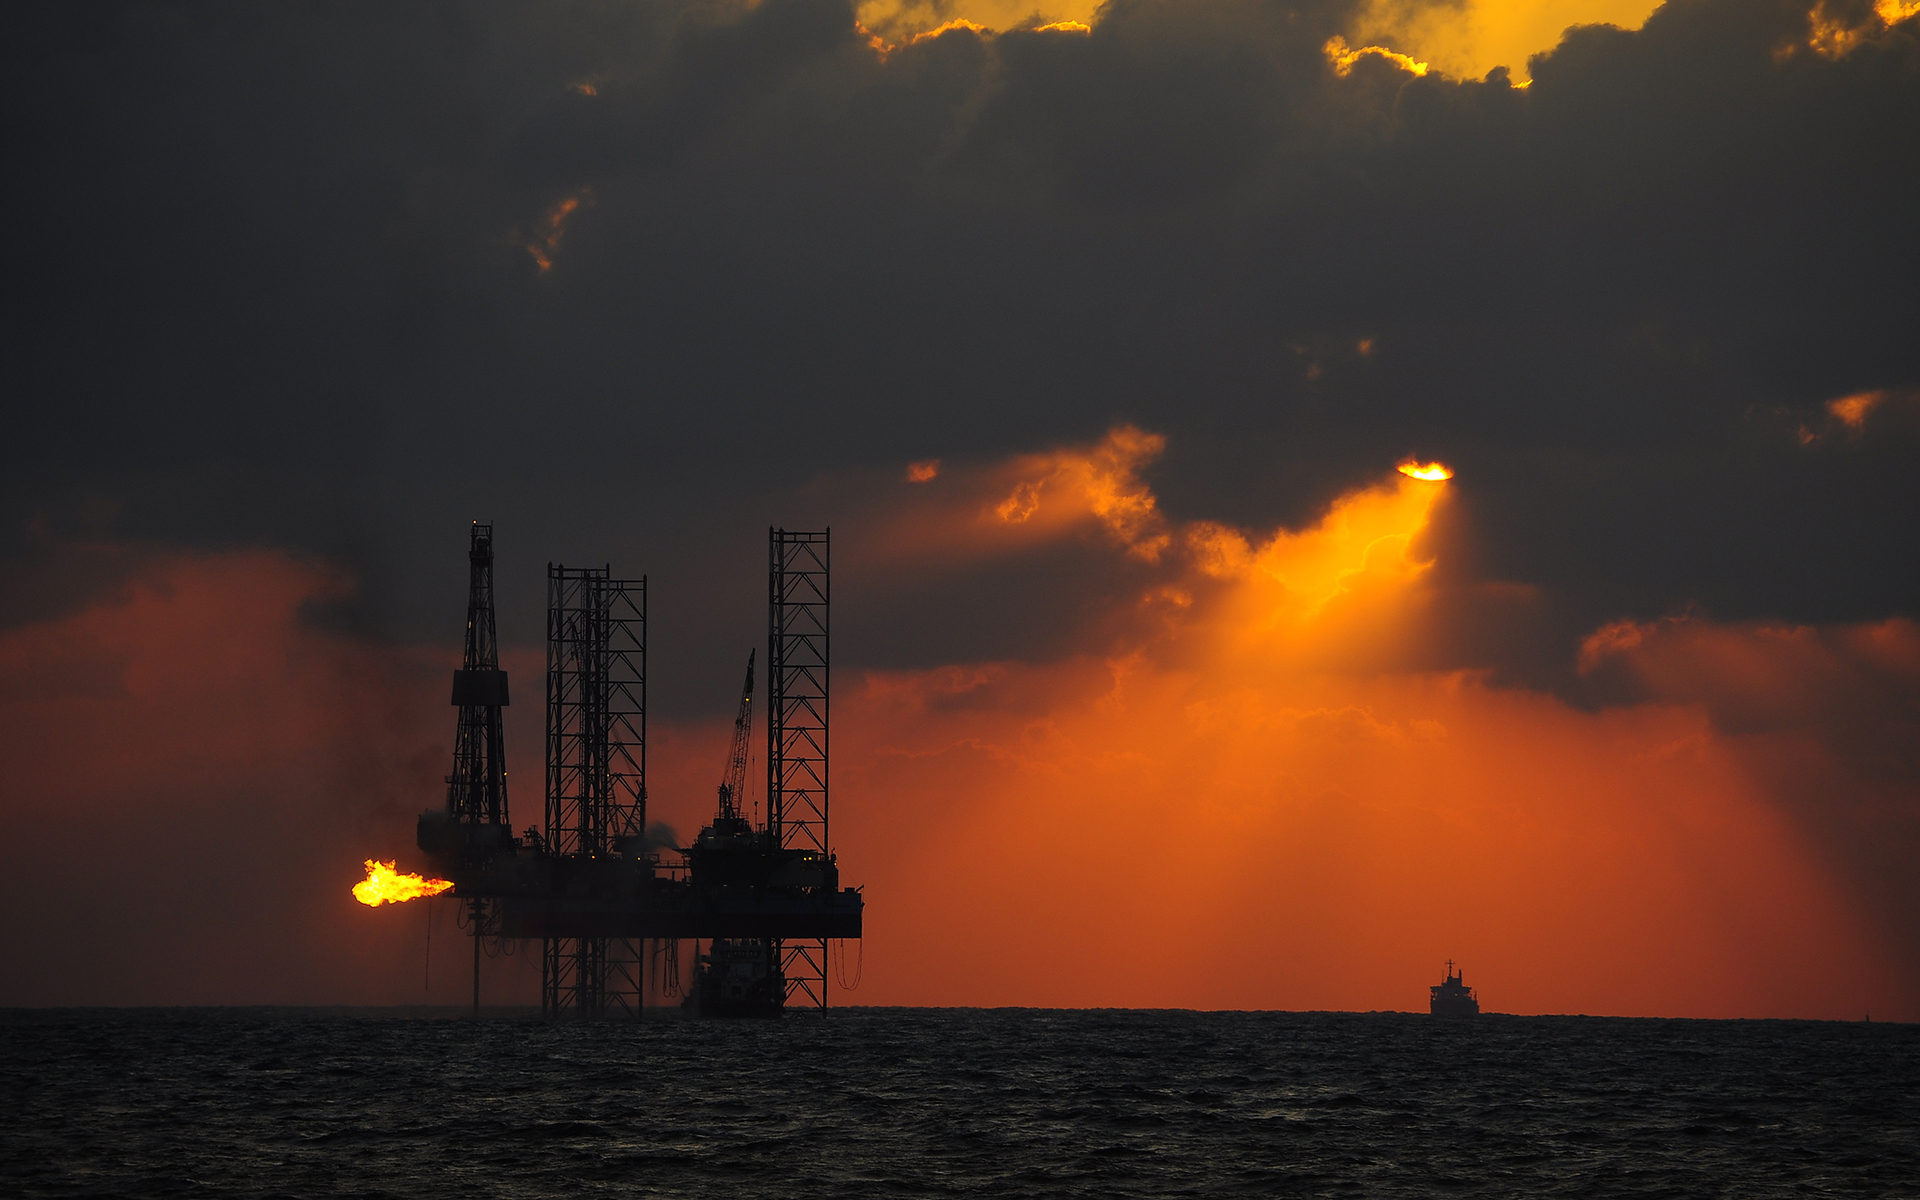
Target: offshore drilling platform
(603, 901)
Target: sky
(1097, 335)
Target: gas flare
(1419, 470)
(384, 884)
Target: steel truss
(477, 789)
(592, 977)
(596, 770)
(797, 585)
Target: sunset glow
(1343, 58)
(1096, 360)
(1833, 32)
(385, 885)
(958, 23)
(1355, 814)
(1468, 40)
(1465, 41)
(1255, 773)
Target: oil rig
(605, 903)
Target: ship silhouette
(1452, 998)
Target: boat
(1453, 998)
(737, 977)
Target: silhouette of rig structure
(607, 906)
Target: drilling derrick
(475, 825)
(797, 732)
(477, 789)
(596, 778)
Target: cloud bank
(1092, 345)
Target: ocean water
(947, 1102)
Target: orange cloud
(1343, 59)
(1244, 790)
(553, 227)
(1834, 33)
(903, 21)
(1847, 414)
(923, 471)
(1852, 411)
(1469, 39)
(874, 41)
(945, 27)
(884, 48)
(1463, 40)
(1103, 482)
(1033, 498)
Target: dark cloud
(279, 328)
(273, 286)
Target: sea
(881, 1102)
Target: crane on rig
(737, 976)
(735, 780)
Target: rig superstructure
(590, 886)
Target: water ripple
(921, 1102)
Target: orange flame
(385, 885)
(1418, 470)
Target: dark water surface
(927, 1102)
